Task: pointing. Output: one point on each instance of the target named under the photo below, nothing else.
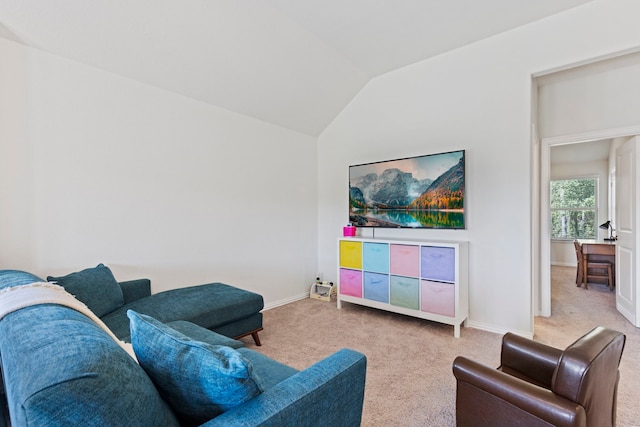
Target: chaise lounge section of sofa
(222, 308)
(219, 307)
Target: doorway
(544, 237)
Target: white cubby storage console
(425, 279)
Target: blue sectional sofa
(61, 368)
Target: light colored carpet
(409, 379)
(576, 310)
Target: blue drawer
(375, 257)
(376, 287)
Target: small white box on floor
(322, 291)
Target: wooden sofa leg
(256, 338)
(254, 334)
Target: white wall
(99, 168)
(476, 98)
(563, 252)
(16, 169)
(592, 97)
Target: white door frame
(543, 238)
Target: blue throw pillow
(198, 380)
(96, 287)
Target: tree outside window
(574, 208)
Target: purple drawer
(438, 263)
(350, 282)
(438, 298)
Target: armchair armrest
(528, 359)
(133, 290)
(480, 389)
(328, 393)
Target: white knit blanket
(17, 297)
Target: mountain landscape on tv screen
(395, 190)
(446, 192)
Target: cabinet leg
(456, 331)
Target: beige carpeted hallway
(409, 379)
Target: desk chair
(592, 269)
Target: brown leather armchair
(538, 385)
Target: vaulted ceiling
(293, 63)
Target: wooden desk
(596, 250)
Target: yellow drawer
(350, 254)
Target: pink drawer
(404, 260)
(438, 298)
(350, 282)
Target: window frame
(595, 209)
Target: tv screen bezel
(420, 227)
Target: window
(574, 208)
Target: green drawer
(405, 292)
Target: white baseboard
(501, 331)
(286, 301)
(564, 264)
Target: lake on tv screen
(412, 219)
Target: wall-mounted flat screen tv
(415, 192)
